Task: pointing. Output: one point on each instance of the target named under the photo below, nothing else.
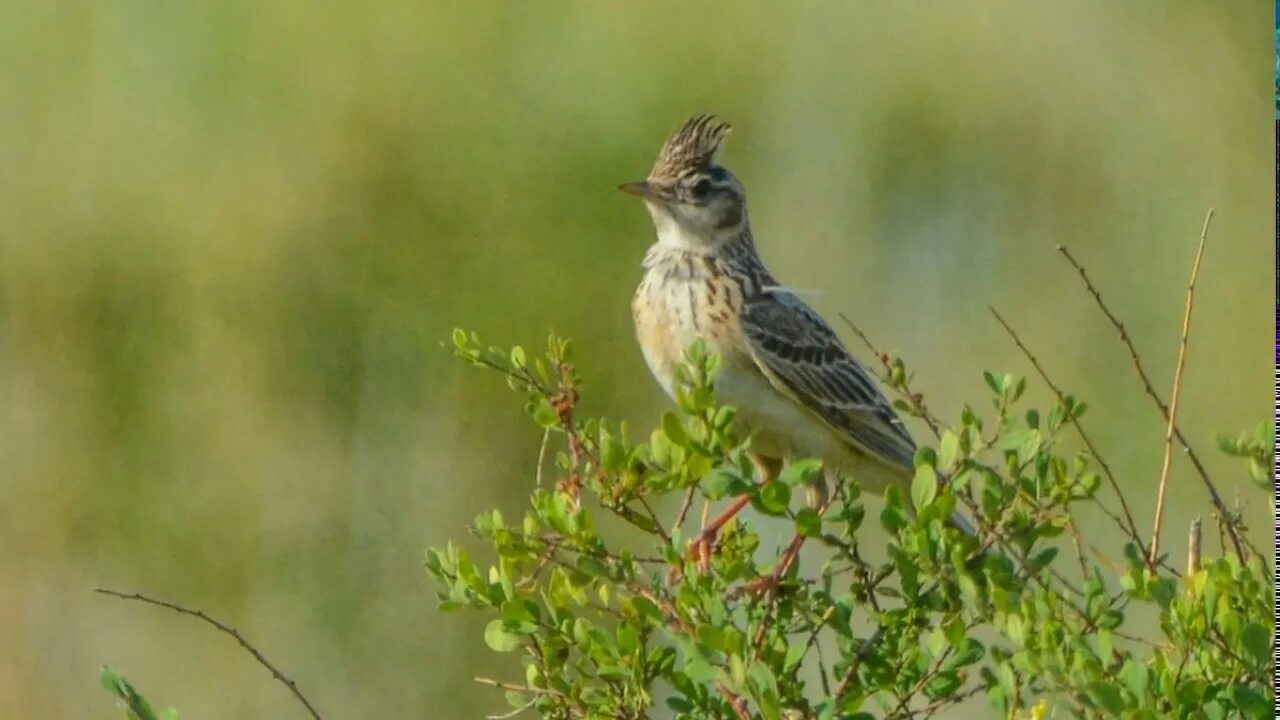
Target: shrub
(1027, 614)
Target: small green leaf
(1250, 702)
(948, 450)
(775, 497)
(613, 455)
(114, 682)
(679, 704)
(924, 487)
(499, 639)
(717, 484)
(1107, 696)
(674, 430)
(1135, 677)
(892, 517)
(801, 472)
(1041, 560)
(955, 632)
(1255, 640)
(542, 412)
(808, 523)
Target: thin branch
(512, 713)
(1128, 524)
(653, 518)
(542, 456)
(684, 509)
(1177, 391)
(1193, 549)
(227, 629)
(1155, 397)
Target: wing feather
(802, 356)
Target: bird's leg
(766, 470)
(817, 497)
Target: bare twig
(542, 455)
(684, 509)
(1177, 392)
(519, 688)
(514, 712)
(1218, 504)
(1193, 549)
(1128, 525)
(653, 518)
(227, 629)
(1078, 542)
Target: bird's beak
(644, 189)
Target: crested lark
(795, 386)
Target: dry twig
(1177, 392)
(1193, 549)
(227, 629)
(1218, 504)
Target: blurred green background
(234, 234)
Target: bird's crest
(693, 146)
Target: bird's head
(695, 202)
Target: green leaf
(517, 357)
(517, 698)
(499, 639)
(613, 455)
(542, 413)
(725, 417)
(775, 497)
(679, 704)
(808, 523)
(892, 517)
(1255, 640)
(992, 382)
(1041, 560)
(712, 637)
(1107, 696)
(1250, 702)
(955, 632)
(948, 450)
(674, 429)
(1136, 678)
(801, 472)
(114, 682)
(944, 685)
(700, 671)
(924, 487)
(795, 653)
(717, 484)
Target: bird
(798, 392)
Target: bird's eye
(701, 188)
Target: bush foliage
(1027, 617)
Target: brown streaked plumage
(796, 387)
(690, 148)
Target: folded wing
(802, 356)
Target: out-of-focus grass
(233, 234)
